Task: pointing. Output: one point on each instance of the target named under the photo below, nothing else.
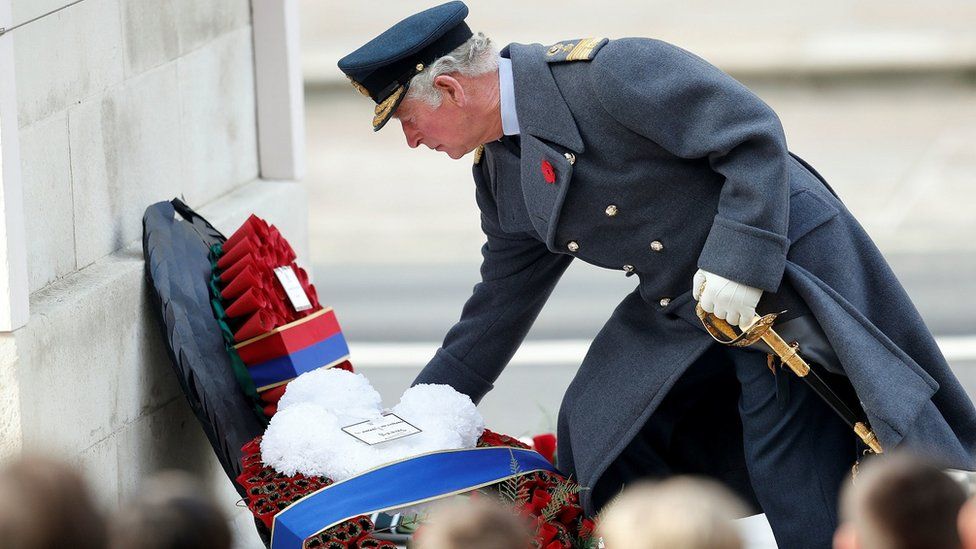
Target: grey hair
(474, 57)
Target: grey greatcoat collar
(540, 106)
(548, 131)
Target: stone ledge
(88, 351)
(94, 383)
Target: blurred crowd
(896, 502)
(893, 502)
(47, 504)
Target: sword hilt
(724, 333)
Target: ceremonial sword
(788, 354)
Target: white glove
(728, 300)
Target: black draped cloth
(176, 242)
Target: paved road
(406, 310)
(411, 302)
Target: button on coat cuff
(446, 369)
(745, 254)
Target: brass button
(628, 268)
(611, 210)
(657, 246)
(573, 246)
(665, 301)
(571, 157)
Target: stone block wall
(122, 103)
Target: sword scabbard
(868, 437)
(788, 353)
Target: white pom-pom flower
(306, 435)
(294, 440)
(442, 413)
(347, 395)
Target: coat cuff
(745, 254)
(446, 369)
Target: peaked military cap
(383, 67)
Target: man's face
(446, 128)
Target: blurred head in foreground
(171, 511)
(469, 523)
(899, 502)
(967, 524)
(679, 513)
(46, 504)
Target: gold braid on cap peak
(383, 109)
(359, 87)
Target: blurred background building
(109, 105)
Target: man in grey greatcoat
(639, 157)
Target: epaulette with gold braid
(583, 49)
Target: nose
(412, 135)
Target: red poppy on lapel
(548, 172)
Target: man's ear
(451, 89)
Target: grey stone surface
(143, 122)
(86, 332)
(201, 22)
(11, 435)
(66, 57)
(123, 103)
(24, 10)
(282, 203)
(94, 383)
(219, 128)
(46, 180)
(97, 464)
(125, 154)
(166, 438)
(150, 33)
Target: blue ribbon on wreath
(410, 481)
